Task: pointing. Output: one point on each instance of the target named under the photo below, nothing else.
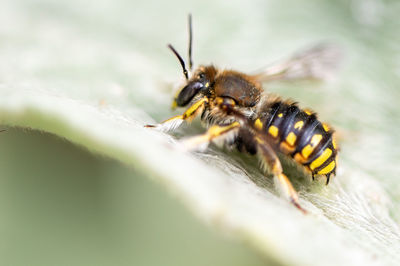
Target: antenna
(185, 72)
(190, 41)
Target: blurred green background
(62, 205)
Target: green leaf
(95, 73)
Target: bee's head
(200, 81)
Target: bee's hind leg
(174, 122)
(214, 133)
(271, 160)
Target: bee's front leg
(219, 133)
(174, 122)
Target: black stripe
(332, 157)
(306, 133)
(277, 121)
(325, 164)
(288, 121)
(323, 144)
(273, 111)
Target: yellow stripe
(291, 138)
(321, 159)
(299, 125)
(327, 169)
(307, 111)
(307, 150)
(258, 124)
(285, 148)
(334, 143)
(315, 140)
(280, 115)
(273, 130)
(216, 130)
(194, 107)
(299, 158)
(325, 126)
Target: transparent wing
(318, 62)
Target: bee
(238, 113)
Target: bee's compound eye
(188, 92)
(202, 75)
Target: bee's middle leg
(215, 132)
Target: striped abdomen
(298, 133)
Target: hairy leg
(215, 132)
(174, 122)
(271, 160)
